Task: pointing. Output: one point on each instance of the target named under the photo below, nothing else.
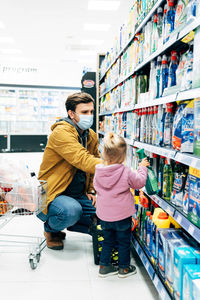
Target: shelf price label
(179, 219)
(191, 229)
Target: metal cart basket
(18, 200)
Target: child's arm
(138, 178)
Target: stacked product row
(173, 253)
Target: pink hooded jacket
(112, 184)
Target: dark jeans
(118, 232)
(67, 212)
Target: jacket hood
(108, 176)
(82, 136)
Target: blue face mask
(85, 122)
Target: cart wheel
(33, 264)
(38, 257)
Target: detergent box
(190, 274)
(182, 256)
(194, 196)
(187, 132)
(196, 149)
(164, 235)
(196, 289)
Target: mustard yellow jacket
(63, 155)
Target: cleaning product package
(194, 196)
(187, 131)
(196, 289)
(196, 62)
(182, 256)
(191, 273)
(185, 196)
(177, 126)
(180, 176)
(181, 13)
(197, 127)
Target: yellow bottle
(174, 223)
(162, 220)
(157, 210)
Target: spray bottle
(151, 183)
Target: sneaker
(125, 272)
(105, 271)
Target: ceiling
(52, 31)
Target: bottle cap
(155, 18)
(148, 213)
(163, 216)
(170, 3)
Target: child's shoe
(105, 271)
(125, 272)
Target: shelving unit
(161, 288)
(169, 96)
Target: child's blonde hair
(114, 148)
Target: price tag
(156, 281)
(169, 211)
(191, 230)
(179, 219)
(162, 294)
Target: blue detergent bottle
(172, 69)
(170, 18)
(164, 74)
(158, 76)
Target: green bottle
(167, 180)
(152, 182)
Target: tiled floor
(68, 274)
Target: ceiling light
(103, 5)
(10, 51)
(96, 27)
(7, 40)
(92, 42)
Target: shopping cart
(18, 200)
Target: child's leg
(124, 245)
(108, 245)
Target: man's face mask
(85, 122)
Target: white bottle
(155, 124)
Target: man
(68, 166)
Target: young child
(115, 204)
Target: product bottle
(160, 25)
(155, 35)
(167, 180)
(148, 214)
(172, 69)
(158, 77)
(149, 232)
(151, 183)
(164, 74)
(164, 26)
(168, 126)
(181, 13)
(160, 175)
(155, 124)
(170, 18)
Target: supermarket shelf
(117, 111)
(179, 216)
(169, 153)
(188, 159)
(154, 277)
(146, 19)
(176, 36)
(189, 94)
(157, 101)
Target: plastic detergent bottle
(158, 76)
(151, 183)
(172, 69)
(145, 208)
(167, 180)
(164, 74)
(147, 218)
(156, 212)
(170, 18)
(155, 35)
(164, 25)
(149, 231)
(162, 221)
(160, 175)
(155, 124)
(181, 12)
(168, 126)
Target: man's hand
(93, 198)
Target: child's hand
(144, 163)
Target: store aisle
(67, 274)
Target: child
(115, 204)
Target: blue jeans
(67, 212)
(116, 233)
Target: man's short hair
(77, 98)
